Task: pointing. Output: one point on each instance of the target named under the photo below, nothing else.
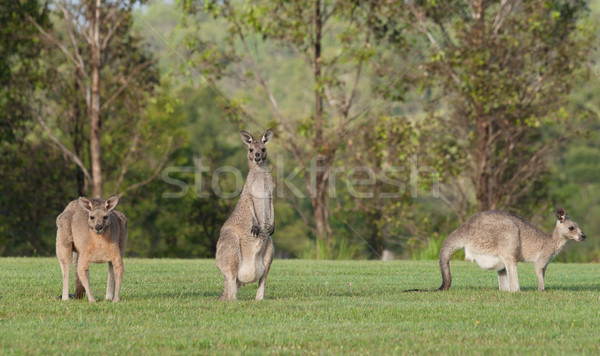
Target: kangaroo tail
(450, 245)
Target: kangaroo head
(98, 211)
(257, 151)
(566, 228)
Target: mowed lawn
(320, 307)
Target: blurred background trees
(373, 104)
(505, 70)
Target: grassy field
(320, 307)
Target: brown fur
(497, 240)
(89, 230)
(245, 248)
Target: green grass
(321, 307)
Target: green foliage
(200, 88)
(39, 180)
(315, 61)
(505, 77)
(29, 196)
(21, 70)
(430, 249)
(188, 224)
(340, 249)
(576, 186)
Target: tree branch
(125, 84)
(348, 103)
(527, 170)
(303, 216)
(432, 39)
(126, 160)
(62, 147)
(155, 173)
(295, 149)
(502, 15)
(452, 207)
(71, 19)
(253, 62)
(327, 15)
(52, 39)
(114, 28)
(83, 85)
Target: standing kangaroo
(245, 248)
(89, 230)
(497, 240)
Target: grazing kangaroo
(497, 240)
(90, 230)
(245, 248)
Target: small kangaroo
(245, 248)
(497, 240)
(90, 230)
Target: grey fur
(85, 235)
(245, 248)
(497, 240)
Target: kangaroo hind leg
(503, 282)
(65, 255)
(228, 261)
(267, 260)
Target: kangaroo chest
(261, 190)
(99, 249)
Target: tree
(505, 68)
(96, 34)
(335, 42)
(27, 189)
(20, 70)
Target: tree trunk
(95, 107)
(77, 135)
(482, 175)
(322, 161)
(377, 241)
(317, 70)
(319, 195)
(319, 209)
(482, 126)
(319, 200)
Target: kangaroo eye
(92, 218)
(105, 217)
(264, 149)
(571, 228)
(251, 150)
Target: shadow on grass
(573, 288)
(178, 295)
(523, 289)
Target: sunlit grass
(170, 307)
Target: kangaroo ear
(85, 203)
(561, 214)
(246, 137)
(111, 202)
(267, 136)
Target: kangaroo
(90, 230)
(497, 240)
(245, 248)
